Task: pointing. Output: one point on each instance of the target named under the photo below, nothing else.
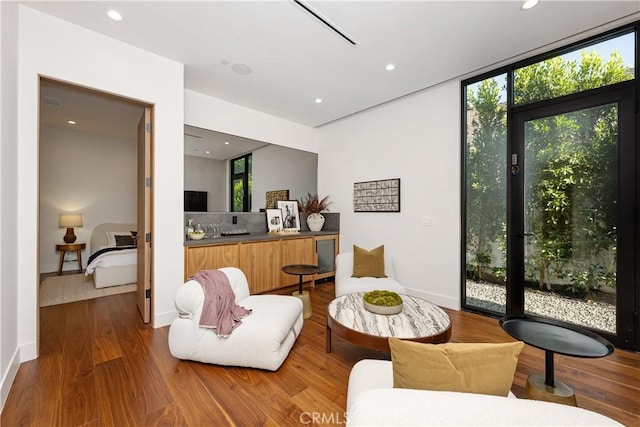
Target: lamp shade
(70, 220)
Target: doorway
(91, 149)
(571, 222)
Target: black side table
(302, 270)
(554, 336)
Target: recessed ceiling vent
(193, 136)
(324, 21)
(52, 102)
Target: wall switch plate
(428, 221)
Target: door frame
(148, 208)
(627, 295)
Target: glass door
(572, 234)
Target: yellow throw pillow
(482, 368)
(368, 263)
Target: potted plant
(312, 205)
(382, 302)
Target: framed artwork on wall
(272, 198)
(290, 215)
(377, 196)
(274, 220)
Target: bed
(114, 256)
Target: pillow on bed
(111, 237)
(124, 240)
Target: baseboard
(9, 377)
(437, 299)
(164, 319)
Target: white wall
(91, 174)
(9, 284)
(73, 54)
(280, 168)
(416, 139)
(208, 175)
(215, 114)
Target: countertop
(256, 237)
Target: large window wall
(550, 180)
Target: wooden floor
(100, 365)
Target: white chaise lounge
(262, 341)
(372, 400)
(345, 284)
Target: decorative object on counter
(272, 198)
(313, 206)
(290, 215)
(69, 221)
(377, 196)
(236, 232)
(274, 220)
(197, 234)
(189, 229)
(213, 231)
(284, 232)
(382, 302)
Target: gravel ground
(592, 314)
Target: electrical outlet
(428, 221)
(234, 219)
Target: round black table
(554, 336)
(302, 270)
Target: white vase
(315, 221)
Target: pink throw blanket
(219, 311)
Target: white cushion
(345, 284)
(368, 374)
(396, 407)
(372, 400)
(263, 340)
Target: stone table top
(418, 319)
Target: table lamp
(69, 221)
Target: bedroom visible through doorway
(89, 162)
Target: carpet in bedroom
(75, 287)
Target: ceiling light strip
(324, 21)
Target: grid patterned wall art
(377, 196)
(272, 197)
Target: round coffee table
(419, 321)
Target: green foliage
(383, 298)
(486, 174)
(570, 181)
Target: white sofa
(372, 400)
(262, 341)
(345, 284)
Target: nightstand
(63, 248)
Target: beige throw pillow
(483, 368)
(368, 263)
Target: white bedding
(115, 258)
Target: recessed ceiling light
(390, 67)
(318, 100)
(226, 143)
(242, 69)
(528, 4)
(71, 122)
(207, 152)
(115, 15)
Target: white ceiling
(294, 58)
(96, 113)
